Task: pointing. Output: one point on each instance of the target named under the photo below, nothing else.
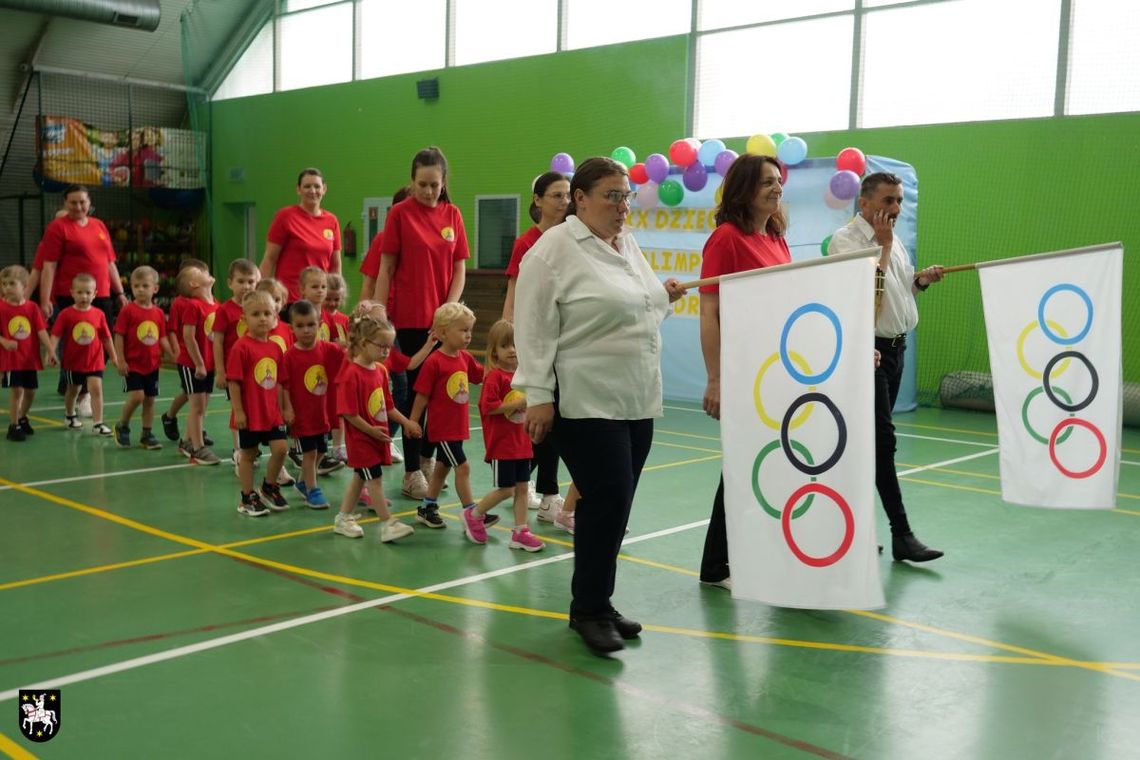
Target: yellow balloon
(719, 194)
(761, 145)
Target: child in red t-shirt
(21, 326)
(229, 324)
(261, 408)
(503, 411)
(310, 367)
(280, 334)
(195, 320)
(314, 289)
(331, 316)
(140, 339)
(85, 335)
(169, 418)
(364, 401)
(443, 388)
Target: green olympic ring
(773, 446)
(1025, 415)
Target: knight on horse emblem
(39, 713)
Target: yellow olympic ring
(800, 418)
(1064, 365)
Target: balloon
(778, 138)
(695, 177)
(724, 160)
(562, 162)
(637, 174)
(783, 173)
(657, 167)
(844, 185)
(792, 151)
(825, 245)
(761, 145)
(833, 202)
(681, 153)
(670, 192)
(852, 160)
(647, 195)
(709, 151)
(624, 156)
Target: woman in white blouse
(587, 315)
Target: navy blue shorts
(450, 453)
(21, 378)
(80, 378)
(251, 439)
(135, 381)
(307, 443)
(191, 384)
(505, 473)
(375, 472)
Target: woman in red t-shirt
(422, 257)
(547, 208)
(302, 236)
(749, 235)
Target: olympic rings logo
(1054, 368)
(796, 453)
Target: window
(604, 22)
(717, 14)
(316, 47)
(780, 78)
(496, 227)
(969, 60)
(491, 30)
(253, 73)
(396, 38)
(1104, 60)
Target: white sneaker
(549, 507)
(533, 499)
(85, 405)
(397, 455)
(414, 486)
(345, 524)
(725, 584)
(394, 529)
(565, 521)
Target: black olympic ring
(1092, 372)
(841, 429)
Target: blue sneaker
(299, 484)
(316, 498)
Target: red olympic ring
(848, 520)
(1074, 421)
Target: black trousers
(714, 561)
(410, 340)
(888, 376)
(605, 458)
(546, 463)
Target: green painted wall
(988, 190)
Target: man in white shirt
(880, 202)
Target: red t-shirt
(522, 245)
(256, 365)
(229, 321)
(397, 362)
(427, 241)
(143, 330)
(282, 335)
(728, 250)
(334, 326)
(306, 241)
(307, 375)
(370, 267)
(200, 314)
(504, 437)
(364, 392)
(77, 249)
(22, 324)
(446, 381)
(82, 334)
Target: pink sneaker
(522, 538)
(365, 497)
(475, 529)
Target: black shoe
(123, 436)
(297, 458)
(429, 516)
(148, 441)
(272, 493)
(15, 434)
(25, 426)
(327, 464)
(599, 634)
(626, 628)
(910, 548)
(489, 520)
(880, 548)
(206, 439)
(170, 427)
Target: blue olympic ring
(1041, 314)
(786, 360)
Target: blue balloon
(792, 151)
(710, 149)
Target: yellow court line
(14, 750)
(683, 446)
(683, 462)
(45, 420)
(687, 435)
(942, 429)
(992, 492)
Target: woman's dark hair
(401, 194)
(541, 185)
(589, 173)
(741, 184)
(311, 170)
(75, 189)
(433, 156)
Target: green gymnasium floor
(179, 628)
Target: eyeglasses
(558, 196)
(616, 197)
(381, 346)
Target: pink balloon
(647, 195)
(833, 202)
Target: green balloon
(670, 192)
(778, 137)
(624, 156)
(825, 245)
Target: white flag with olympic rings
(797, 429)
(1053, 326)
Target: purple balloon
(657, 167)
(844, 185)
(562, 162)
(695, 177)
(724, 160)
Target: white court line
(202, 646)
(37, 409)
(101, 475)
(942, 440)
(956, 460)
